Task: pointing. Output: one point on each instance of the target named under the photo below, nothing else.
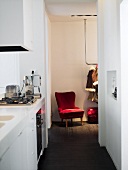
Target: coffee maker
(32, 85)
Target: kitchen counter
(13, 118)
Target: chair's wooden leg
(62, 120)
(81, 121)
(66, 123)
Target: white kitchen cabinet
(23, 149)
(31, 142)
(15, 157)
(18, 152)
(22, 153)
(5, 161)
(16, 25)
(18, 139)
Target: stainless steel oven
(39, 123)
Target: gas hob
(18, 101)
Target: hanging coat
(89, 79)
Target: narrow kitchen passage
(75, 148)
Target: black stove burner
(17, 100)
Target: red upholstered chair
(66, 106)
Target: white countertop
(20, 114)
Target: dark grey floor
(75, 148)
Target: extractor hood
(12, 48)
(16, 25)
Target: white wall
(101, 73)
(9, 70)
(68, 68)
(91, 41)
(109, 56)
(48, 69)
(124, 84)
(36, 58)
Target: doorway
(68, 68)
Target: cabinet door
(18, 152)
(31, 143)
(15, 155)
(5, 161)
(23, 149)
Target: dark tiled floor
(75, 148)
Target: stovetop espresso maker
(32, 85)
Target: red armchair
(66, 106)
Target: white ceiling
(63, 9)
(68, 1)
